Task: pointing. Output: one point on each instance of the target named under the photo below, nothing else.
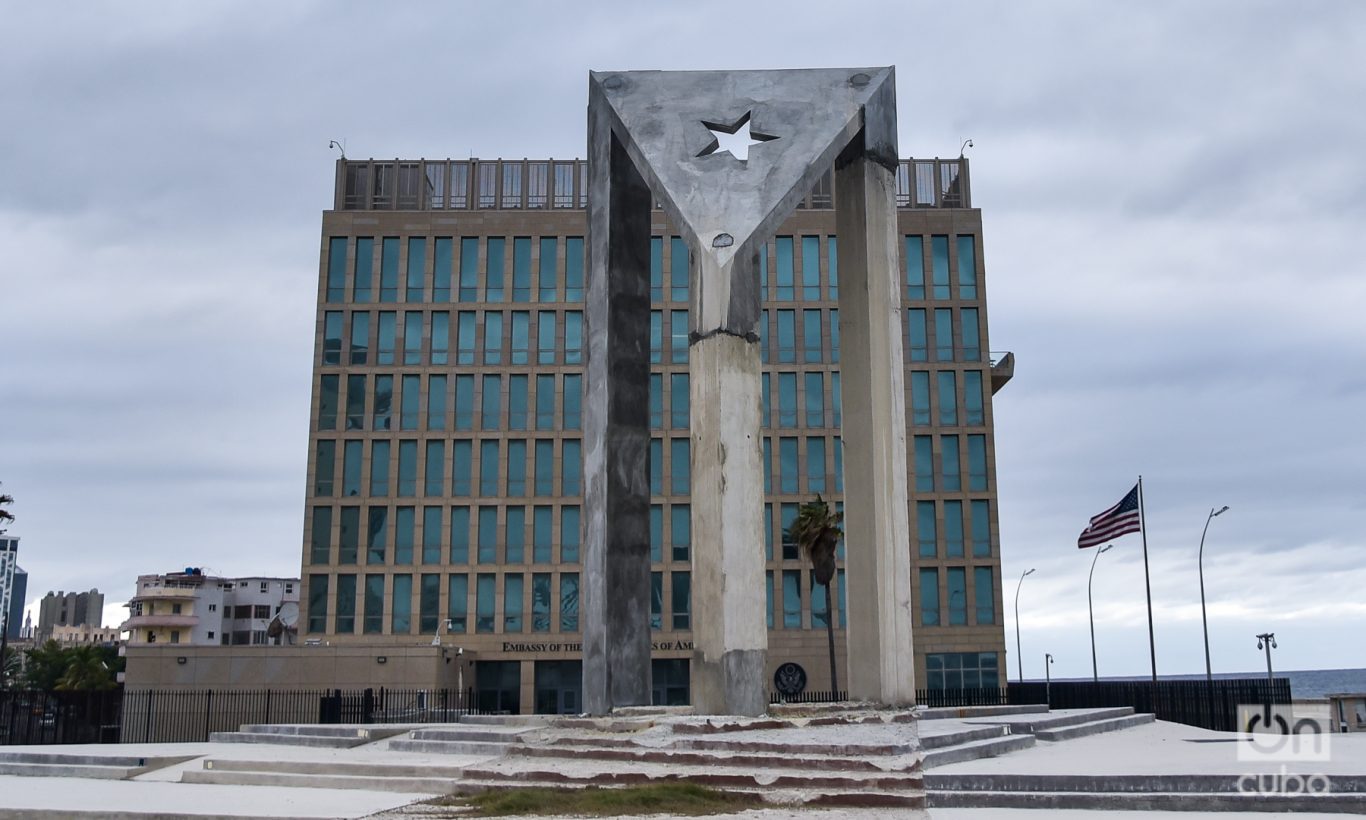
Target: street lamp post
(1019, 659)
(1048, 679)
(1267, 640)
(1204, 622)
(1095, 673)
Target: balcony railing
(551, 184)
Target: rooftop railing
(551, 184)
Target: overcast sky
(1173, 195)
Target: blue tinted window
(521, 337)
(521, 269)
(984, 591)
(792, 599)
(441, 337)
(434, 475)
(457, 602)
(681, 583)
(417, 264)
(785, 291)
(462, 467)
(765, 400)
(953, 529)
(431, 535)
(972, 340)
(811, 268)
(787, 465)
(363, 281)
(545, 337)
(656, 463)
(327, 402)
(917, 341)
(839, 466)
(573, 269)
(656, 268)
(412, 337)
(460, 535)
(977, 463)
(763, 272)
(429, 596)
(388, 269)
(815, 465)
(493, 269)
(515, 550)
(549, 252)
(958, 596)
(656, 533)
(351, 468)
(383, 408)
(943, 334)
(542, 535)
(336, 269)
(787, 336)
(517, 401)
(404, 521)
(811, 335)
(442, 263)
(972, 397)
(569, 602)
(469, 269)
(493, 337)
(967, 269)
(545, 467)
(491, 404)
(379, 468)
(516, 473)
(678, 331)
(377, 534)
(678, 400)
(939, 262)
(678, 270)
(512, 602)
(836, 401)
(656, 336)
(545, 401)
(679, 467)
(317, 603)
(407, 468)
(768, 597)
(929, 597)
(410, 409)
(920, 397)
(483, 602)
(815, 399)
(657, 600)
(488, 535)
(763, 336)
(464, 343)
(833, 261)
(680, 531)
(787, 400)
(464, 402)
(656, 394)
(924, 464)
(834, 335)
(488, 467)
(374, 605)
(388, 335)
(332, 337)
(787, 513)
(952, 470)
(925, 529)
(320, 536)
(948, 398)
(981, 529)
(571, 467)
(573, 400)
(360, 337)
(768, 464)
(573, 337)
(820, 608)
(436, 403)
(569, 534)
(913, 254)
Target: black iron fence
(41, 718)
(809, 697)
(1208, 704)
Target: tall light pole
(1204, 622)
(1095, 673)
(1048, 679)
(1267, 640)
(1019, 659)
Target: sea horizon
(1304, 683)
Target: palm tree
(816, 532)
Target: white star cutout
(734, 138)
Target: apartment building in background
(13, 588)
(192, 608)
(69, 609)
(445, 446)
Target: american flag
(1121, 519)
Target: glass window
(811, 335)
(913, 253)
(680, 531)
(680, 469)
(571, 467)
(920, 398)
(379, 468)
(787, 333)
(834, 335)
(545, 467)
(972, 341)
(549, 254)
(374, 605)
(320, 536)
(792, 599)
(464, 402)
(656, 336)
(429, 597)
(573, 401)
(768, 464)
(765, 400)
(573, 269)
(488, 535)
(977, 463)
(351, 467)
(377, 532)
(457, 602)
(542, 533)
(493, 337)
(952, 468)
(836, 400)
(678, 330)
(484, 601)
(924, 464)
(460, 535)
(787, 513)
(360, 337)
(833, 263)
(317, 603)
(488, 467)
(972, 397)
(939, 261)
(768, 597)
(388, 269)
(545, 337)
(327, 402)
(656, 269)
(918, 342)
(521, 269)
(512, 602)
(417, 264)
(815, 464)
(656, 600)
(569, 533)
(953, 529)
(815, 399)
(512, 186)
(462, 468)
(811, 271)
(345, 622)
(521, 337)
(925, 529)
(929, 596)
(443, 261)
(400, 619)
(431, 535)
(388, 335)
(434, 473)
(410, 409)
(984, 594)
(787, 399)
(768, 532)
(967, 268)
(384, 403)
(460, 184)
(540, 602)
(787, 465)
(943, 334)
(839, 465)
(656, 394)
(656, 463)
(332, 337)
(363, 278)
(681, 583)
(820, 609)
(516, 471)
(464, 342)
(517, 401)
(405, 520)
(545, 401)
(948, 398)
(469, 269)
(678, 269)
(324, 467)
(981, 529)
(785, 291)
(441, 337)
(493, 269)
(569, 602)
(573, 337)
(839, 584)
(656, 533)
(491, 403)
(678, 400)
(436, 402)
(958, 596)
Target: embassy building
(445, 446)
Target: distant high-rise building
(13, 587)
(70, 609)
(445, 454)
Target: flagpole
(1147, 581)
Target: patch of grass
(658, 798)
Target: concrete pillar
(730, 634)
(876, 529)
(615, 592)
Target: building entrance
(669, 682)
(559, 687)
(498, 686)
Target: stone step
(334, 767)
(506, 720)
(409, 785)
(125, 761)
(368, 732)
(1059, 719)
(272, 738)
(942, 739)
(720, 777)
(837, 749)
(957, 712)
(668, 756)
(1151, 801)
(802, 709)
(93, 772)
(479, 734)
(1116, 783)
(449, 747)
(977, 749)
(1093, 727)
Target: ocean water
(1305, 684)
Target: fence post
(208, 712)
(147, 719)
(267, 720)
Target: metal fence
(41, 718)
(809, 697)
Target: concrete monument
(652, 136)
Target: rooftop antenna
(340, 146)
(966, 145)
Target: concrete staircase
(42, 764)
(414, 778)
(325, 737)
(476, 739)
